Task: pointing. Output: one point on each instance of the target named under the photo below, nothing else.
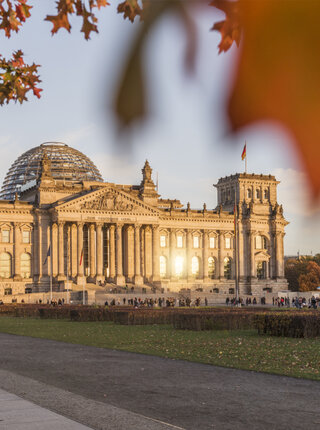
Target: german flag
(244, 152)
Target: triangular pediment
(107, 199)
(262, 255)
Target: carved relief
(109, 202)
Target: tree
(293, 270)
(311, 280)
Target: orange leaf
(229, 28)
(277, 75)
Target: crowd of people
(234, 301)
(298, 302)
(160, 302)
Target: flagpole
(236, 246)
(51, 265)
(245, 142)
(68, 266)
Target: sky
(186, 137)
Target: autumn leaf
(17, 79)
(277, 74)
(229, 29)
(66, 8)
(130, 9)
(13, 15)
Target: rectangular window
(163, 241)
(5, 234)
(212, 242)
(196, 241)
(26, 237)
(179, 242)
(228, 242)
(258, 242)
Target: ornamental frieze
(109, 202)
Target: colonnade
(121, 253)
(98, 251)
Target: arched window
(227, 267)
(211, 267)
(25, 265)
(5, 265)
(257, 193)
(249, 193)
(266, 193)
(179, 266)
(163, 267)
(195, 266)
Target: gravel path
(106, 389)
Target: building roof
(67, 164)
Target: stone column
(80, 275)
(112, 253)
(252, 260)
(92, 252)
(241, 252)
(99, 274)
(155, 253)
(279, 264)
(120, 280)
(189, 250)
(39, 240)
(137, 260)
(205, 256)
(172, 253)
(220, 255)
(35, 252)
(61, 275)
(148, 252)
(130, 252)
(74, 251)
(17, 252)
(54, 248)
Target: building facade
(59, 223)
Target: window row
(180, 263)
(258, 191)
(6, 265)
(195, 242)
(5, 236)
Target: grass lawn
(237, 349)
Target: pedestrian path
(19, 414)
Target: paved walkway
(19, 414)
(115, 390)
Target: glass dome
(67, 164)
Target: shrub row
(215, 321)
(289, 324)
(270, 322)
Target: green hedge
(289, 324)
(215, 321)
(286, 323)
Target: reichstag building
(60, 222)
